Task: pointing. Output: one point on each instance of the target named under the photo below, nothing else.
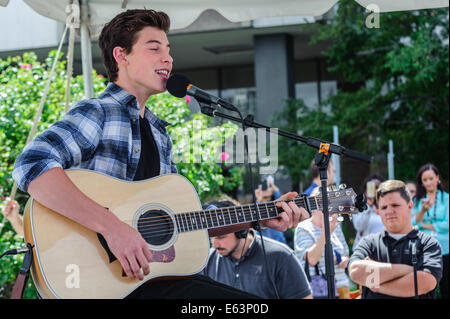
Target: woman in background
(430, 214)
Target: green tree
(394, 83)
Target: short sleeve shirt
(383, 248)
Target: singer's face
(149, 62)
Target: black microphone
(179, 85)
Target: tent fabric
(183, 13)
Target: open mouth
(163, 73)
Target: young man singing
(117, 135)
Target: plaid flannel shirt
(100, 134)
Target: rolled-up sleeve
(302, 241)
(65, 144)
(363, 249)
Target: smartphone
(370, 186)
(264, 185)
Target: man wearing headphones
(237, 259)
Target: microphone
(179, 85)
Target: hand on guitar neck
(288, 218)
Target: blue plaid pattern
(100, 134)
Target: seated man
(383, 263)
(237, 260)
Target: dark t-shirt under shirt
(195, 287)
(149, 165)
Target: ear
(120, 56)
(410, 205)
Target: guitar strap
(413, 248)
(24, 272)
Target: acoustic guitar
(71, 261)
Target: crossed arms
(390, 279)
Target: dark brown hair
(121, 31)
(421, 191)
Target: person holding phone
(431, 214)
(368, 221)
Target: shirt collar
(126, 98)
(120, 95)
(411, 235)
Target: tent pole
(86, 50)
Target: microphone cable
(258, 225)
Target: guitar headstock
(340, 201)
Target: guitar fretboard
(226, 216)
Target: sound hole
(156, 227)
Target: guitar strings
(146, 224)
(261, 206)
(190, 222)
(165, 231)
(231, 211)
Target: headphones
(242, 234)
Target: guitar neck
(226, 216)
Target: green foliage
(394, 85)
(22, 82)
(296, 117)
(197, 146)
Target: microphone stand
(321, 159)
(208, 110)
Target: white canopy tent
(91, 15)
(183, 13)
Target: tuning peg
(360, 202)
(342, 186)
(340, 218)
(332, 188)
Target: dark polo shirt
(249, 273)
(384, 248)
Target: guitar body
(69, 260)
